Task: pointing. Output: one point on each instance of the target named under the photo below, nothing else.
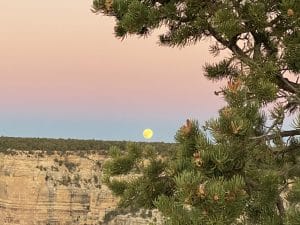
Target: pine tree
(242, 167)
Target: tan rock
(41, 189)
(28, 198)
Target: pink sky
(58, 60)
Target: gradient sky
(64, 75)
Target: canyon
(37, 188)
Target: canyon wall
(57, 189)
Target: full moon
(148, 133)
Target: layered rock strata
(40, 189)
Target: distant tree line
(50, 145)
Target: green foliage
(138, 17)
(293, 51)
(117, 187)
(114, 151)
(226, 23)
(142, 180)
(293, 213)
(294, 195)
(220, 70)
(236, 169)
(293, 217)
(62, 146)
(120, 165)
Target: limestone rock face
(41, 189)
(138, 219)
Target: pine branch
(286, 133)
(288, 85)
(283, 83)
(280, 208)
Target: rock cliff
(41, 189)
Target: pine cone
(197, 159)
(201, 191)
(290, 12)
(230, 196)
(187, 128)
(233, 86)
(108, 5)
(236, 128)
(216, 197)
(226, 112)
